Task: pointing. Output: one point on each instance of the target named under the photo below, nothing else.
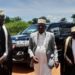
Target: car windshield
(54, 25)
(30, 29)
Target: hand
(70, 62)
(1, 61)
(56, 64)
(35, 59)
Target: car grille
(20, 53)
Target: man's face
(73, 35)
(1, 19)
(41, 28)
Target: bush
(15, 27)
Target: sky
(29, 9)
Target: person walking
(5, 48)
(41, 46)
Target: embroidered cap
(73, 29)
(1, 12)
(42, 21)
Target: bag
(51, 61)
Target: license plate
(20, 43)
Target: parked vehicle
(20, 44)
(61, 31)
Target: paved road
(21, 69)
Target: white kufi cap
(73, 29)
(1, 12)
(42, 21)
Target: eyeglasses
(41, 26)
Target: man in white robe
(42, 44)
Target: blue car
(20, 43)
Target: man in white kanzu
(41, 45)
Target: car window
(62, 28)
(60, 25)
(66, 28)
(53, 26)
(30, 29)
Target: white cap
(42, 21)
(73, 29)
(1, 12)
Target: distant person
(42, 44)
(70, 54)
(5, 48)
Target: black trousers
(69, 70)
(5, 70)
(61, 60)
(6, 67)
(62, 68)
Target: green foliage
(7, 19)
(34, 20)
(15, 19)
(73, 16)
(15, 27)
(29, 22)
(64, 20)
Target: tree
(7, 19)
(34, 20)
(73, 16)
(16, 19)
(63, 20)
(29, 22)
(48, 21)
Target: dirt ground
(21, 69)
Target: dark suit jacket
(69, 52)
(69, 69)
(8, 60)
(50, 42)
